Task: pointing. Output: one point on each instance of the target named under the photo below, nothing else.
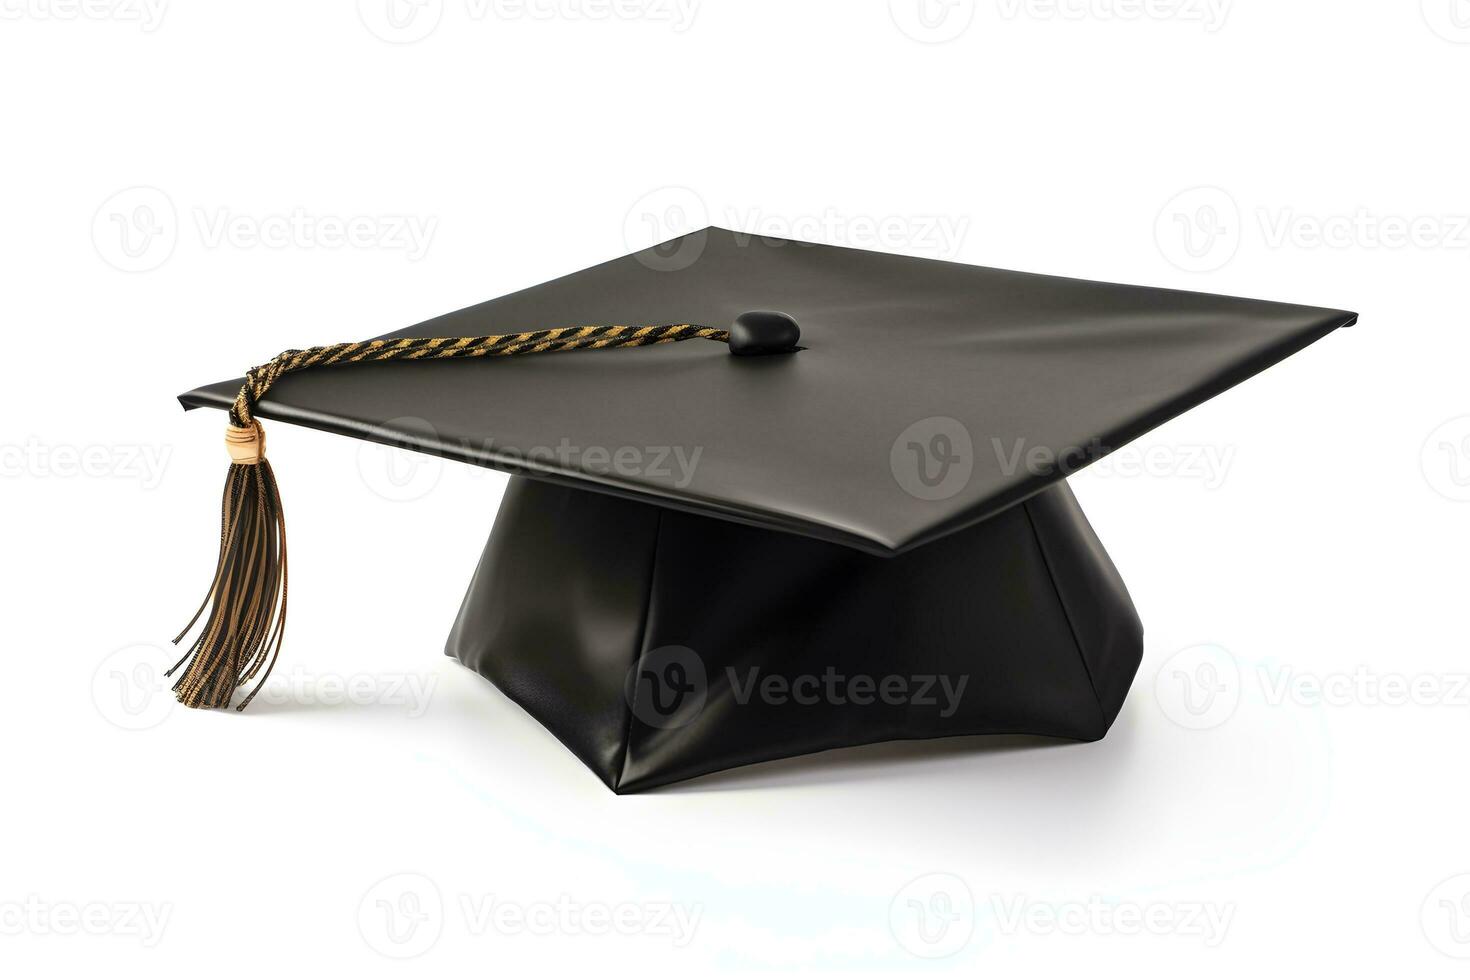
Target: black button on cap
(763, 332)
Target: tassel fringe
(246, 602)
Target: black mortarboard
(706, 560)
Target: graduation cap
(734, 534)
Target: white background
(1300, 151)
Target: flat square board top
(929, 395)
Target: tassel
(246, 602)
(247, 598)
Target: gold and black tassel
(247, 598)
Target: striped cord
(258, 380)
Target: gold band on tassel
(246, 445)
